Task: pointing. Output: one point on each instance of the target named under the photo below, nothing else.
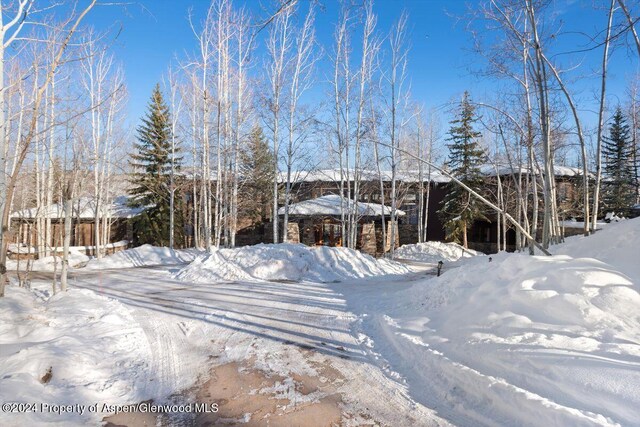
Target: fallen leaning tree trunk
(515, 223)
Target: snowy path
(282, 327)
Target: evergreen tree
(459, 209)
(151, 162)
(618, 193)
(257, 177)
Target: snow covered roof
(83, 208)
(333, 175)
(488, 169)
(329, 205)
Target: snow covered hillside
(287, 261)
(521, 340)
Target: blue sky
(156, 32)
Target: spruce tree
(257, 177)
(459, 209)
(151, 163)
(618, 193)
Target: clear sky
(156, 32)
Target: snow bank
(145, 255)
(548, 340)
(49, 263)
(617, 245)
(95, 350)
(287, 262)
(433, 252)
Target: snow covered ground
(521, 340)
(90, 346)
(284, 329)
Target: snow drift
(91, 345)
(549, 340)
(145, 255)
(617, 244)
(287, 261)
(48, 263)
(432, 252)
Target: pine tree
(459, 209)
(151, 163)
(257, 177)
(618, 193)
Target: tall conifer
(151, 164)
(618, 193)
(459, 209)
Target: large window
(328, 234)
(411, 209)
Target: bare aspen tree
(550, 232)
(342, 105)
(512, 18)
(370, 47)
(9, 30)
(279, 44)
(583, 148)
(396, 79)
(103, 83)
(221, 47)
(192, 92)
(603, 92)
(72, 162)
(244, 48)
(631, 22)
(426, 135)
(300, 81)
(175, 106)
(205, 50)
(421, 152)
(7, 187)
(377, 157)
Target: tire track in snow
(462, 394)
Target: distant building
(26, 225)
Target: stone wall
(368, 239)
(293, 232)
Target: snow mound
(93, 347)
(433, 252)
(287, 261)
(556, 293)
(617, 244)
(49, 263)
(145, 255)
(563, 329)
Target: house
(483, 235)
(317, 222)
(27, 226)
(515, 181)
